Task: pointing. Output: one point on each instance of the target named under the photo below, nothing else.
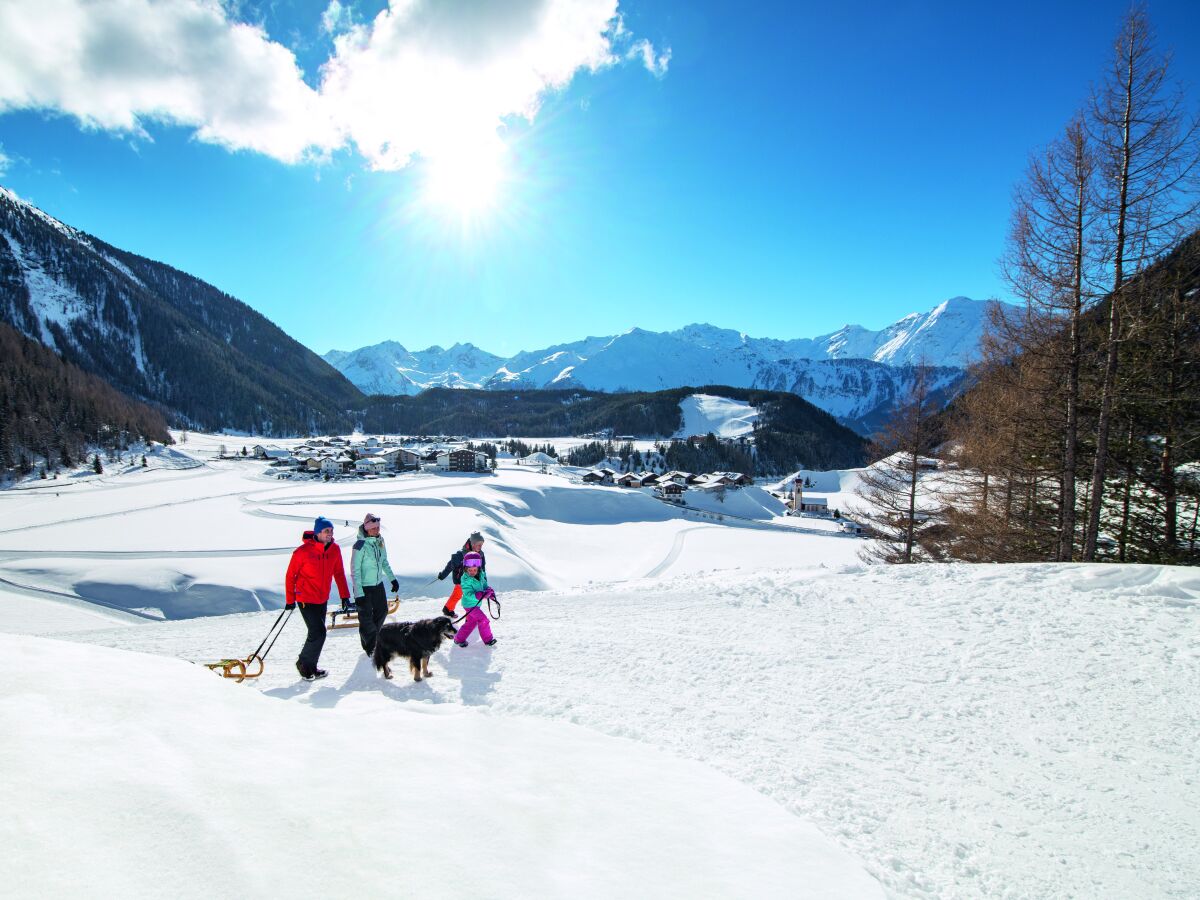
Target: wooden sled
(238, 669)
(252, 666)
(349, 617)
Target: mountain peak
(25, 206)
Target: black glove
(345, 603)
(442, 577)
(395, 586)
(289, 606)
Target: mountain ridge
(158, 334)
(856, 374)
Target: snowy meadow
(678, 706)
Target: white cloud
(425, 77)
(337, 18)
(117, 64)
(655, 63)
(5, 162)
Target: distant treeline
(52, 412)
(792, 433)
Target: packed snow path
(1001, 731)
(152, 779)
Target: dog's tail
(379, 657)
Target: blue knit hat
(321, 524)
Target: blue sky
(787, 169)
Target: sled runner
(252, 666)
(349, 615)
(239, 669)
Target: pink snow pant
(476, 618)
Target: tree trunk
(1066, 534)
(1167, 460)
(1114, 317)
(1124, 537)
(910, 531)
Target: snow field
(1010, 731)
(217, 539)
(1013, 731)
(137, 776)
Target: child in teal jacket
(474, 591)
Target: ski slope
(1016, 731)
(709, 414)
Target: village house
(629, 480)
(736, 478)
(261, 452)
(670, 490)
(371, 465)
(462, 461)
(336, 465)
(675, 475)
(400, 459)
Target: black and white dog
(416, 640)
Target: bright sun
(465, 181)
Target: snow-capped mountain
(853, 373)
(389, 368)
(159, 334)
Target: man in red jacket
(314, 564)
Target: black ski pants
(314, 618)
(372, 610)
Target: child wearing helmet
(474, 591)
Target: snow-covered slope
(156, 779)
(709, 414)
(947, 335)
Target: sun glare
(466, 181)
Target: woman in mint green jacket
(474, 591)
(369, 571)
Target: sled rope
(241, 669)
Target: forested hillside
(51, 412)
(791, 433)
(160, 335)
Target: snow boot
(447, 611)
(491, 643)
(318, 673)
(461, 643)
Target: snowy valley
(678, 705)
